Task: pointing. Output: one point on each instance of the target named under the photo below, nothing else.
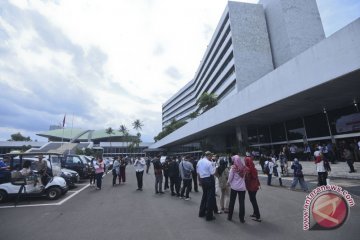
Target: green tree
(207, 101)
(137, 125)
(110, 132)
(125, 132)
(174, 124)
(19, 137)
(193, 115)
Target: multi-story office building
(238, 54)
(278, 79)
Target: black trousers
(139, 178)
(350, 163)
(186, 187)
(175, 182)
(252, 196)
(208, 200)
(322, 178)
(195, 180)
(233, 194)
(166, 184)
(269, 179)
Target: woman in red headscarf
(252, 186)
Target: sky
(104, 63)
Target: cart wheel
(3, 196)
(53, 193)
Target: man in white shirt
(139, 165)
(206, 171)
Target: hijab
(222, 166)
(239, 165)
(251, 166)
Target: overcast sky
(107, 62)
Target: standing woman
(115, 171)
(139, 165)
(252, 185)
(222, 173)
(92, 172)
(237, 185)
(99, 171)
(122, 173)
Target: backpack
(298, 173)
(187, 172)
(266, 168)
(327, 165)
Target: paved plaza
(121, 212)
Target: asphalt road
(121, 212)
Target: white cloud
(107, 62)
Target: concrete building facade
(292, 85)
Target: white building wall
(251, 43)
(293, 25)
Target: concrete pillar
(242, 138)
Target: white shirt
(359, 144)
(320, 167)
(205, 168)
(139, 165)
(271, 166)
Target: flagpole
(63, 128)
(72, 125)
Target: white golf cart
(31, 185)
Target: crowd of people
(226, 177)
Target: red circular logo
(329, 210)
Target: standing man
(165, 167)
(348, 156)
(139, 165)
(269, 169)
(158, 171)
(194, 162)
(42, 168)
(148, 162)
(174, 175)
(206, 172)
(186, 169)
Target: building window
(264, 134)
(316, 126)
(252, 136)
(278, 132)
(295, 129)
(344, 120)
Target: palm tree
(193, 115)
(137, 125)
(207, 101)
(125, 132)
(110, 132)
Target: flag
(63, 123)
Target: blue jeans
(301, 181)
(99, 179)
(269, 179)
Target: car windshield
(84, 159)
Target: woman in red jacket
(252, 186)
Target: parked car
(54, 188)
(77, 163)
(71, 177)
